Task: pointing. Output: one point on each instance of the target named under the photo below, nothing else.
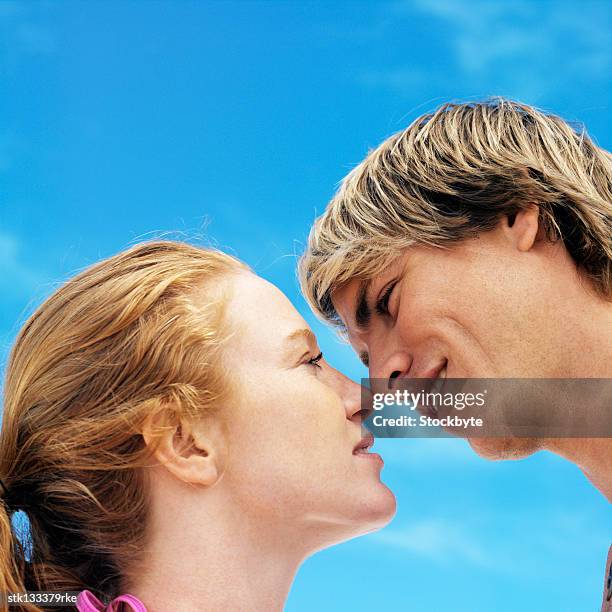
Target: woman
(173, 433)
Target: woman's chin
(371, 512)
(380, 509)
(368, 511)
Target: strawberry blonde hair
(136, 334)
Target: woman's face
(295, 456)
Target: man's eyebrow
(363, 313)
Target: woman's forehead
(262, 311)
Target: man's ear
(522, 228)
(193, 453)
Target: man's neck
(592, 455)
(591, 330)
(587, 328)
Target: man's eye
(382, 305)
(315, 360)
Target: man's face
(485, 308)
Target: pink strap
(88, 602)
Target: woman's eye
(315, 360)
(382, 305)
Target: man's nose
(385, 371)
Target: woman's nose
(356, 401)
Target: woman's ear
(193, 453)
(522, 228)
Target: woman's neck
(215, 563)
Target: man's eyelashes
(382, 304)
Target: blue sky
(235, 121)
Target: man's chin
(499, 449)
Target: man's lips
(432, 380)
(437, 371)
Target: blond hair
(453, 174)
(133, 335)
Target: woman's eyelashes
(315, 360)
(382, 304)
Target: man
(477, 243)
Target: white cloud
(486, 33)
(36, 39)
(437, 540)
(519, 48)
(12, 149)
(404, 80)
(517, 541)
(15, 274)
(23, 32)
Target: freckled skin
(265, 478)
(293, 427)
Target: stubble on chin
(500, 449)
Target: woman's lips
(366, 442)
(363, 446)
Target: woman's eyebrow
(297, 337)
